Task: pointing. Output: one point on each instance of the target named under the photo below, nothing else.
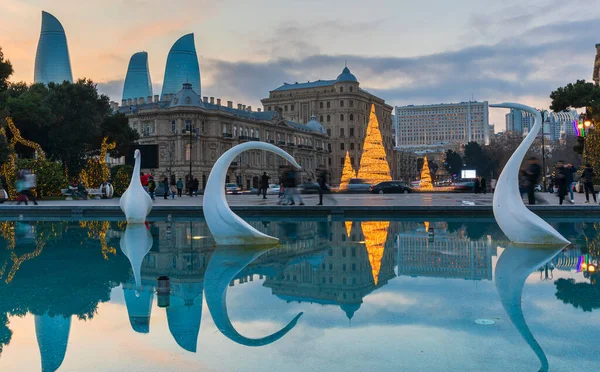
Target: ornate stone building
(343, 108)
(188, 129)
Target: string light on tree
(347, 174)
(425, 183)
(96, 170)
(374, 167)
(375, 236)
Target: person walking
(571, 170)
(20, 186)
(483, 185)
(196, 186)
(476, 185)
(173, 187)
(151, 187)
(264, 184)
(322, 180)
(166, 187)
(588, 182)
(30, 183)
(179, 187)
(295, 192)
(532, 175)
(190, 187)
(561, 181)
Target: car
(309, 188)
(232, 188)
(464, 186)
(391, 187)
(358, 185)
(273, 189)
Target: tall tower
(138, 83)
(52, 62)
(182, 67)
(596, 76)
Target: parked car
(232, 188)
(391, 187)
(358, 185)
(309, 188)
(273, 189)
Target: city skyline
(480, 56)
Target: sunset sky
(404, 51)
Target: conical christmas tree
(347, 173)
(426, 176)
(348, 227)
(375, 236)
(374, 167)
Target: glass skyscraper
(52, 63)
(182, 66)
(138, 83)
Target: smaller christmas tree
(347, 173)
(425, 183)
(374, 167)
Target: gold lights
(374, 167)
(347, 173)
(375, 236)
(96, 170)
(348, 227)
(425, 183)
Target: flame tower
(52, 62)
(182, 67)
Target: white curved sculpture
(517, 222)
(513, 267)
(135, 243)
(135, 201)
(225, 263)
(225, 226)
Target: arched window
(341, 117)
(351, 117)
(341, 89)
(321, 118)
(328, 118)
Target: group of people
(288, 187)
(480, 185)
(171, 187)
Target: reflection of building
(138, 84)
(139, 304)
(343, 108)
(52, 62)
(567, 259)
(344, 276)
(596, 72)
(52, 334)
(443, 254)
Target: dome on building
(314, 125)
(346, 76)
(186, 97)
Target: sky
(404, 51)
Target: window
(341, 103)
(344, 253)
(328, 118)
(320, 104)
(321, 118)
(173, 126)
(341, 117)
(224, 129)
(359, 147)
(351, 89)
(352, 146)
(341, 145)
(351, 129)
(353, 250)
(269, 108)
(188, 152)
(234, 131)
(328, 104)
(329, 132)
(342, 162)
(202, 126)
(353, 267)
(258, 134)
(341, 132)
(344, 267)
(351, 117)
(285, 108)
(352, 161)
(341, 89)
(351, 103)
(188, 125)
(329, 147)
(292, 108)
(329, 161)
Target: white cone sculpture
(517, 222)
(135, 201)
(225, 226)
(513, 267)
(135, 244)
(225, 263)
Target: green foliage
(116, 128)
(500, 149)
(580, 94)
(5, 150)
(122, 178)
(476, 158)
(592, 150)
(453, 163)
(581, 295)
(6, 71)
(50, 175)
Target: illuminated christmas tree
(591, 153)
(425, 183)
(375, 236)
(347, 173)
(96, 170)
(374, 167)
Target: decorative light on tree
(96, 170)
(374, 167)
(375, 236)
(425, 183)
(347, 173)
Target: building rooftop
(345, 76)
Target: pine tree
(347, 173)
(375, 236)
(425, 183)
(374, 167)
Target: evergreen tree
(375, 236)
(374, 167)
(425, 183)
(347, 173)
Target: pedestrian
(166, 187)
(196, 186)
(30, 183)
(173, 187)
(190, 187)
(570, 170)
(179, 187)
(588, 182)
(476, 185)
(483, 185)
(295, 192)
(323, 187)
(532, 175)
(20, 186)
(561, 181)
(151, 187)
(264, 184)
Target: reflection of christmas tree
(374, 167)
(425, 183)
(347, 173)
(348, 227)
(375, 237)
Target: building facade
(343, 108)
(518, 121)
(182, 67)
(190, 129)
(560, 124)
(451, 123)
(138, 84)
(52, 61)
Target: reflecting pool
(335, 295)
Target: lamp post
(190, 132)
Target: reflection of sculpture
(52, 333)
(226, 227)
(135, 201)
(225, 263)
(517, 222)
(135, 244)
(513, 267)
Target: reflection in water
(225, 264)
(136, 242)
(52, 333)
(375, 236)
(514, 266)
